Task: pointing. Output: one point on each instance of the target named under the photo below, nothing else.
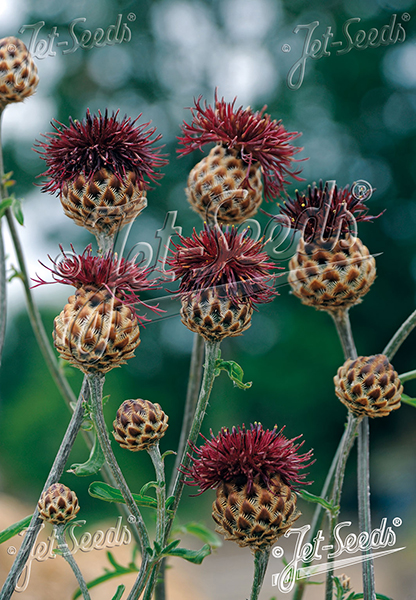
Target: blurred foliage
(358, 120)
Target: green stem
(343, 325)
(407, 376)
(157, 461)
(348, 442)
(3, 292)
(211, 355)
(96, 382)
(400, 335)
(364, 511)
(53, 477)
(142, 579)
(261, 560)
(63, 547)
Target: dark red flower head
(320, 212)
(231, 262)
(96, 142)
(243, 454)
(254, 134)
(122, 278)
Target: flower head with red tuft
(122, 278)
(97, 142)
(244, 454)
(325, 212)
(256, 135)
(231, 262)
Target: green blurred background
(357, 115)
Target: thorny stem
(63, 547)
(343, 326)
(53, 477)
(400, 335)
(261, 559)
(211, 355)
(96, 382)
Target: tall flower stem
(3, 292)
(157, 461)
(194, 383)
(53, 477)
(96, 382)
(348, 442)
(401, 334)
(211, 355)
(63, 547)
(261, 560)
(407, 376)
(343, 326)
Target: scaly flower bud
(139, 424)
(58, 504)
(18, 73)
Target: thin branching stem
(401, 334)
(65, 552)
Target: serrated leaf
(194, 556)
(201, 532)
(103, 491)
(119, 592)
(318, 500)
(17, 211)
(407, 400)
(234, 371)
(14, 529)
(92, 465)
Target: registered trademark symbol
(362, 190)
(131, 519)
(131, 17)
(11, 550)
(286, 48)
(405, 17)
(11, 48)
(397, 521)
(278, 552)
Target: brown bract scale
(369, 386)
(230, 263)
(255, 135)
(139, 424)
(244, 455)
(58, 504)
(121, 278)
(18, 73)
(100, 142)
(321, 213)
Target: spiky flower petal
(228, 261)
(243, 455)
(255, 135)
(120, 277)
(100, 142)
(321, 213)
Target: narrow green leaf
(105, 577)
(147, 486)
(119, 592)
(4, 205)
(171, 546)
(360, 596)
(106, 492)
(14, 529)
(318, 500)
(7, 176)
(194, 556)
(167, 453)
(202, 532)
(93, 464)
(17, 211)
(407, 400)
(235, 372)
(169, 501)
(113, 561)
